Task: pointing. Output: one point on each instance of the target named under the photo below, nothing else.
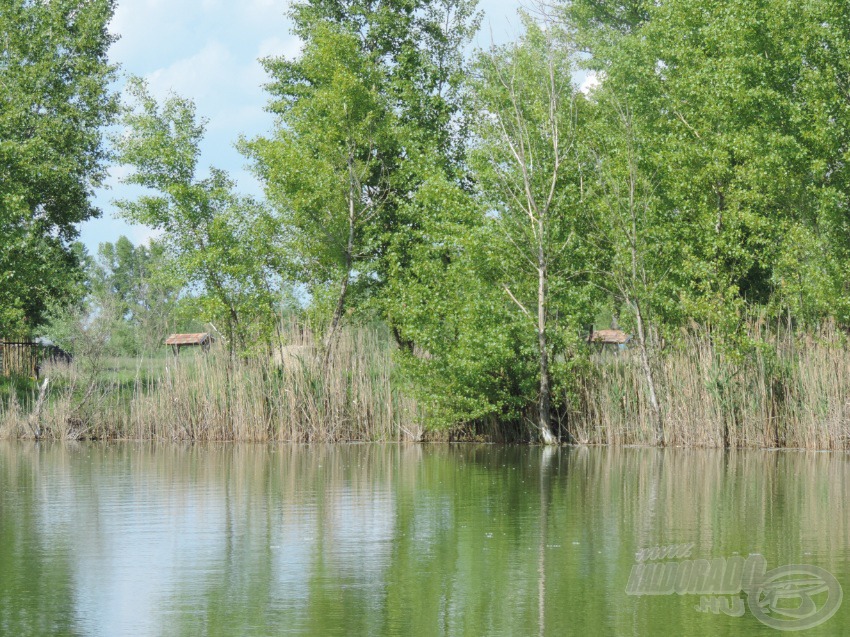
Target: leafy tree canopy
(54, 102)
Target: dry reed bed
(786, 393)
(211, 398)
(792, 393)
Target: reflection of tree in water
(456, 540)
(37, 593)
(389, 539)
(548, 455)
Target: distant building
(178, 341)
(609, 338)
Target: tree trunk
(349, 257)
(404, 344)
(657, 418)
(337, 316)
(544, 411)
(546, 457)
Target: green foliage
(54, 101)
(743, 110)
(467, 293)
(419, 47)
(630, 222)
(470, 360)
(369, 108)
(530, 162)
(224, 244)
(324, 170)
(483, 210)
(143, 284)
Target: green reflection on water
(393, 540)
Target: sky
(208, 50)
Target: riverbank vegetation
(206, 397)
(791, 392)
(439, 229)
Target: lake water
(127, 539)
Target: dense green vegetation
(480, 212)
(54, 102)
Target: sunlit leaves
(226, 245)
(54, 101)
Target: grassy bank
(787, 392)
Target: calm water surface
(400, 540)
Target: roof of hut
(188, 339)
(609, 337)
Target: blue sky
(208, 50)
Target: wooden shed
(178, 341)
(610, 338)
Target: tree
(471, 361)
(744, 107)
(324, 170)
(631, 225)
(419, 46)
(224, 244)
(529, 169)
(373, 100)
(141, 283)
(54, 102)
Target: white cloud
(227, 91)
(264, 10)
(116, 174)
(589, 84)
(149, 30)
(238, 120)
(289, 47)
(142, 235)
(247, 183)
(196, 76)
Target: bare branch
(515, 300)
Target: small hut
(605, 339)
(178, 341)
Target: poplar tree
(54, 102)
(366, 113)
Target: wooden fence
(25, 358)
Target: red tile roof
(188, 339)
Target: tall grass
(206, 397)
(789, 391)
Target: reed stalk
(789, 390)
